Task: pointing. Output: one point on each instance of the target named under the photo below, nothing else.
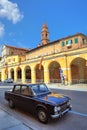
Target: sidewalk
(75, 87)
(8, 122)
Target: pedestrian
(63, 79)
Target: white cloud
(10, 11)
(1, 30)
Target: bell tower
(44, 35)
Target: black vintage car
(38, 99)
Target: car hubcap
(42, 116)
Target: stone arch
(39, 73)
(79, 70)
(12, 73)
(54, 72)
(28, 74)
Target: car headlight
(68, 103)
(56, 109)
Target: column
(9, 74)
(3, 75)
(15, 75)
(46, 76)
(23, 75)
(69, 76)
(33, 75)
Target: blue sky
(21, 20)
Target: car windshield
(39, 89)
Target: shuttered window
(63, 44)
(76, 40)
(66, 42)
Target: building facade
(43, 63)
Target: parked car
(8, 80)
(38, 99)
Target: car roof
(28, 84)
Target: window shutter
(63, 44)
(76, 40)
(66, 42)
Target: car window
(39, 88)
(43, 88)
(26, 90)
(17, 89)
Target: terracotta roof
(50, 43)
(77, 34)
(16, 47)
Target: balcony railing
(55, 80)
(77, 81)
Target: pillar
(9, 74)
(46, 75)
(23, 75)
(3, 75)
(15, 74)
(69, 76)
(33, 75)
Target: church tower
(44, 35)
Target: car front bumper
(61, 113)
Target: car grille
(63, 107)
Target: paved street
(8, 122)
(74, 120)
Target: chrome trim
(60, 114)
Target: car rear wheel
(42, 116)
(11, 104)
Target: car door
(27, 100)
(16, 95)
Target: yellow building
(45, 62)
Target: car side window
(25, 90)
(17, 89)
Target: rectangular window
(69, 42)
(63, 44)
(76, 40)
(66, 42)
(83, 40)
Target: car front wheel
(11, 104)
(42, 116)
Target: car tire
(11, 104)
(42, 116)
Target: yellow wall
(50, 53)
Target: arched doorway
(28, 74)
(19, 74)
(12, 73)
(54, 72)
(79, 71)
(39, 73)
